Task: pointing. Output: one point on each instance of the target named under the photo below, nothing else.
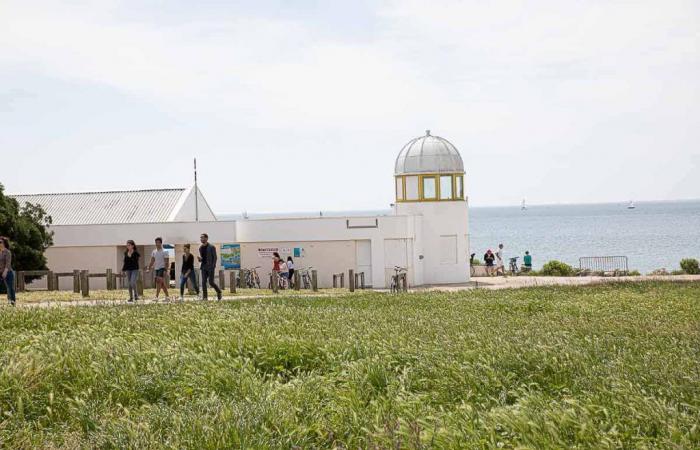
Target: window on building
(445, 187)
(399, 188)
(411, 187)
(459, 187)
(429, 188)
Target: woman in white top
(290, 267)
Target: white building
(427, 232)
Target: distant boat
(523, 207)
(630, 205)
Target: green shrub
(476, 262)
(556, 268)
(634, 273)
(690, 266)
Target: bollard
(56, 283)
(20, 281)
(351, 280)
(314, 280)
(232, 281)
(85, 283)
(49, 281)
(362, 280)
(222, 280)
(76, 281)
(297, 280)
(274, 281)
(108, 279)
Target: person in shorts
(500, 260)
(160, 261)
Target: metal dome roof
(428, 154)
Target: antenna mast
(196, 193)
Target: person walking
(130, 267)
(187, 272)
(207, 258)
(6, 272)
(161, 261)
(500, 260)
(290, 267)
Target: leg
(205, 275)
(10, 285)
(165, 282)
(183, 282)
(193, 278)
(127, 273)
(133, 283)
(213, 284)
(157, 285)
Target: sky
(304, 105)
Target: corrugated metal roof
(90, 208)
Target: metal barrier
(607, 265)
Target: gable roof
(91, 208)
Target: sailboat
(523, 207)
(630, 205)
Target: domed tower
(429, 180)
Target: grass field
(122, 295)
(604, 366)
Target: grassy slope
(601, 366)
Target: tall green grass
(605, 366)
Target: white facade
(427, 232)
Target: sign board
(231, 256)
(266, 252)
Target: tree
(27, 228)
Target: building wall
(326, 257)
(444, 230)
(331, 245)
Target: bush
(556, 268)
(633, 273)
(690, 266)
(476, 262)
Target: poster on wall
(299, 252)
(266, 252)
(231, 256)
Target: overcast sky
(296, 106)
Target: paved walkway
(476, 283)
(524, 281)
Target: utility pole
(196, 193)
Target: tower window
(445, 187)
(459, 187)
(411, 188)
(399, 188)
(429, 188)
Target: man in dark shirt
(207, 258)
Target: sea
(653, 235)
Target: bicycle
(513, 265)
(306, 277)
(249, 278)
(399, 273)
(282, 281)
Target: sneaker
(181, 298)
(218, 295)
(131, 300)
